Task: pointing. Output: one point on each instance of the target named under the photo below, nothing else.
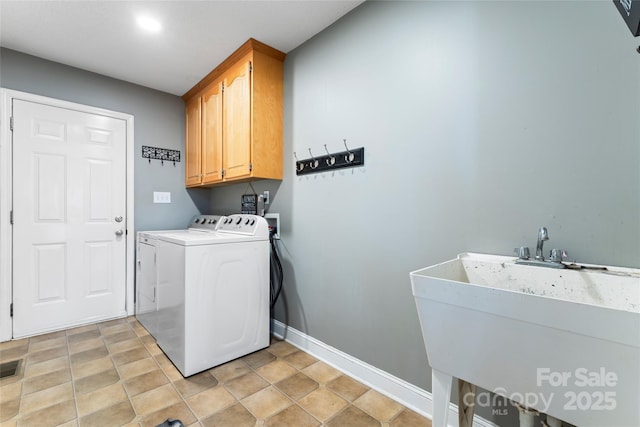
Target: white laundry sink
(561, 341)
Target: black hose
(275, 291)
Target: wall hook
(331, 160)
(299, 164)
(349, 157)
(313, 163)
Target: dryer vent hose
(276, 276)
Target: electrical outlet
(266, 197)
(161, 197)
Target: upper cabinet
(234, 119)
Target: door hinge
(11, 123)
(11, 310)
(11, 217)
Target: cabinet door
(237, 121)
(193, 158)
(212, 133)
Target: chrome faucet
(542, 236)
(555, 259)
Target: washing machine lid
(234, 229)
(195, 238)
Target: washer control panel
(206, 222)
(250, 225)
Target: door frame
(6, 196)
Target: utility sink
(565, 342)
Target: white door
(69, 206)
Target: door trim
(6, 197)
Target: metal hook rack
(344, 159)
(162, 154)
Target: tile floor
(114, 374)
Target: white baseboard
(407, 394)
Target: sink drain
(9, 369)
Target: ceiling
(103, 36)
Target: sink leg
(466, 403)
(441, 385)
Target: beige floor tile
(45, 355)
(94, 382)
(259, 358)
(293, 416)
(322, 403)
(266, 402)
(114, 329)
(321, 372)
(35, 369)
(347, 387)
(297, 386)
(300, 359)
(53, 415)
(210, 401)
(281, 348)
(154, 400)
(51, 379)
(6, 345)
(41, 399)
(129, 356)
(121, 378)
(145, 382)
(120, 346)
(378, 406)
(15, 352)
(11, 391)
(230, 370)
(276, 371)
(138, 367)
(47, 337)
(234, 416)
(91, 367)
(89, 334)
(87, 355)
(100, 399)
(353, 417)
(115, 415)
(9, 409)
(48, 344)
(246, 385)
(120, 336)
(196, 384)
(80, 329)
(179, 411)
(85, 345)
(409, 418)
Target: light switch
(161, 197)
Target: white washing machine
(211, 300)
(147, 268)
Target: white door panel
(69, 179)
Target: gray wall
(481, 121)
(158, 122)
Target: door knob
(118, 219)
(119, 232)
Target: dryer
(212, 292)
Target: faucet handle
(522, 252)
(557, 255)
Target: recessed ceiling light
(149, 24)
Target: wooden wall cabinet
(234, 119)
